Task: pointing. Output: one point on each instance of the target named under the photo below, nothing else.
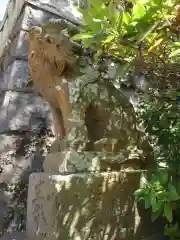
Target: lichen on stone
(95, 116)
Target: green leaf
(88, 19)
(177, 44)
(173, 195)
(147, 202)
(140, 191)
(168, 212)
(96, 27)
(156, 214)
(157, 2)
(98, 9)
(174, 53)
(143, 1)
(156, 44)
(119, 22)
(153, 202)
(81, 36)
(88, 42)
(98, 5)
(111, 9)
(109, 39)
(126, 17)
(159, 205)
(164, 176)
(114, 15)
(138, 11)
(145, 34)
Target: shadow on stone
(87, 206)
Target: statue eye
(48, 40)
(58, 45)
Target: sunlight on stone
(74, 223)
(66, 218)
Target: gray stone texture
(86, 206)
(19, 43)
(16, 75)
(63, 8)
(15, 236)
(12, 13)
(20, 154)
(21, 112)
(19, 46)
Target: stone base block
(86, 206)
(15, 236)
(73, 162)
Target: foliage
(146, 25)
(160, 195)
(161, 119)
(162, 122)
(172, 231)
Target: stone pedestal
(73, 162)
(85, 205)
(82, 206)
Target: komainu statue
(49, 57)
(96, 121)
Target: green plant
(172, 231)
(146, 25)
(159, 194)
(162, 122)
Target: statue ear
(34, 31)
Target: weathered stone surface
(1, 85)
(19, 46)
(64, 9)
(78, 110)
(33, 16)
(7, 142)
(15, 236)
(12, 12)
(15, 18)
(23, 112)
(18, 154)
(16, 75)
(72, 161)
(86, 206)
